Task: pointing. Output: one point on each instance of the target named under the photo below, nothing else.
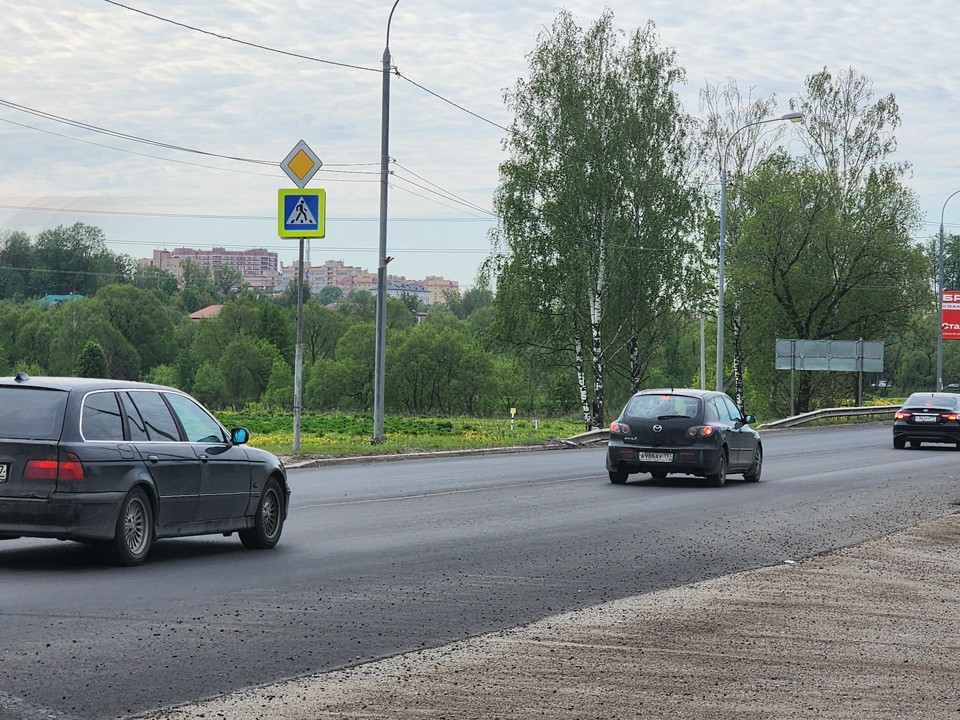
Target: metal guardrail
(602, 434)
(825, 413)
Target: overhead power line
(221, 36)
(126, 136)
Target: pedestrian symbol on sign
(301, 215)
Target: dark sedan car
(125, 463)
(927, 417)
(692, 432)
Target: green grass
(349, 435)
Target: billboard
(950, 315)
(836, 355)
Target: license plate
(3, 472)
(925, 418)
(655, 457)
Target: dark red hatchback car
(685, 431)
(126, 463)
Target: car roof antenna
(21, 377)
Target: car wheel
(658, 474)
(134, 534)
(753, 474)
(899, 443)
(268, 522)
(618, 476)
(718, 478)
(915, 443)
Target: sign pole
(298, 358)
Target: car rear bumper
(686, 460)
(73, 516)
(931, 433)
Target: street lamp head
(793, 117)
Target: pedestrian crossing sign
(301, 212)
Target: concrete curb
(298, 464)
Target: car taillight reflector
(701, 430)
(66, 467)
(619, 427)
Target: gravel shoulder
(871, 631)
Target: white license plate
(655, 457)
(3, 472)
(925, 418)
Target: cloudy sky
(84, 77)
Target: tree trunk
(596, 357)
(581, 379)
(633, 347)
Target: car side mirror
(749, 419)
(239, 435)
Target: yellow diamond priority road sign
(301, 164)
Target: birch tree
(595, 214)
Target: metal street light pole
(940, 297)
(792, 117)
(381, 328)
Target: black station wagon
(125, 463)
(686, 431)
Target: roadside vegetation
(348, 435)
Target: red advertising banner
(950, 317)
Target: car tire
(915, 444)
(618, 476)
(134, 534)
(753, 474)
(718, 478)
(658, 474)
(268, 522)
(899, 443)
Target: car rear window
(662, 405)
(932, 401)
(31, 413)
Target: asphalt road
(386, 557)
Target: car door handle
(153, 458)
(204, 458)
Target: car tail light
(949, 416)
(701, 430)
(619, 427)
(66, 466)
(902, 415)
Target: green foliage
(91, 362)
(279, 390)
(164, 375)
(209, 386)
(61, 261)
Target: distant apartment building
(261, 270)
(333, 273)
(257, 266)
